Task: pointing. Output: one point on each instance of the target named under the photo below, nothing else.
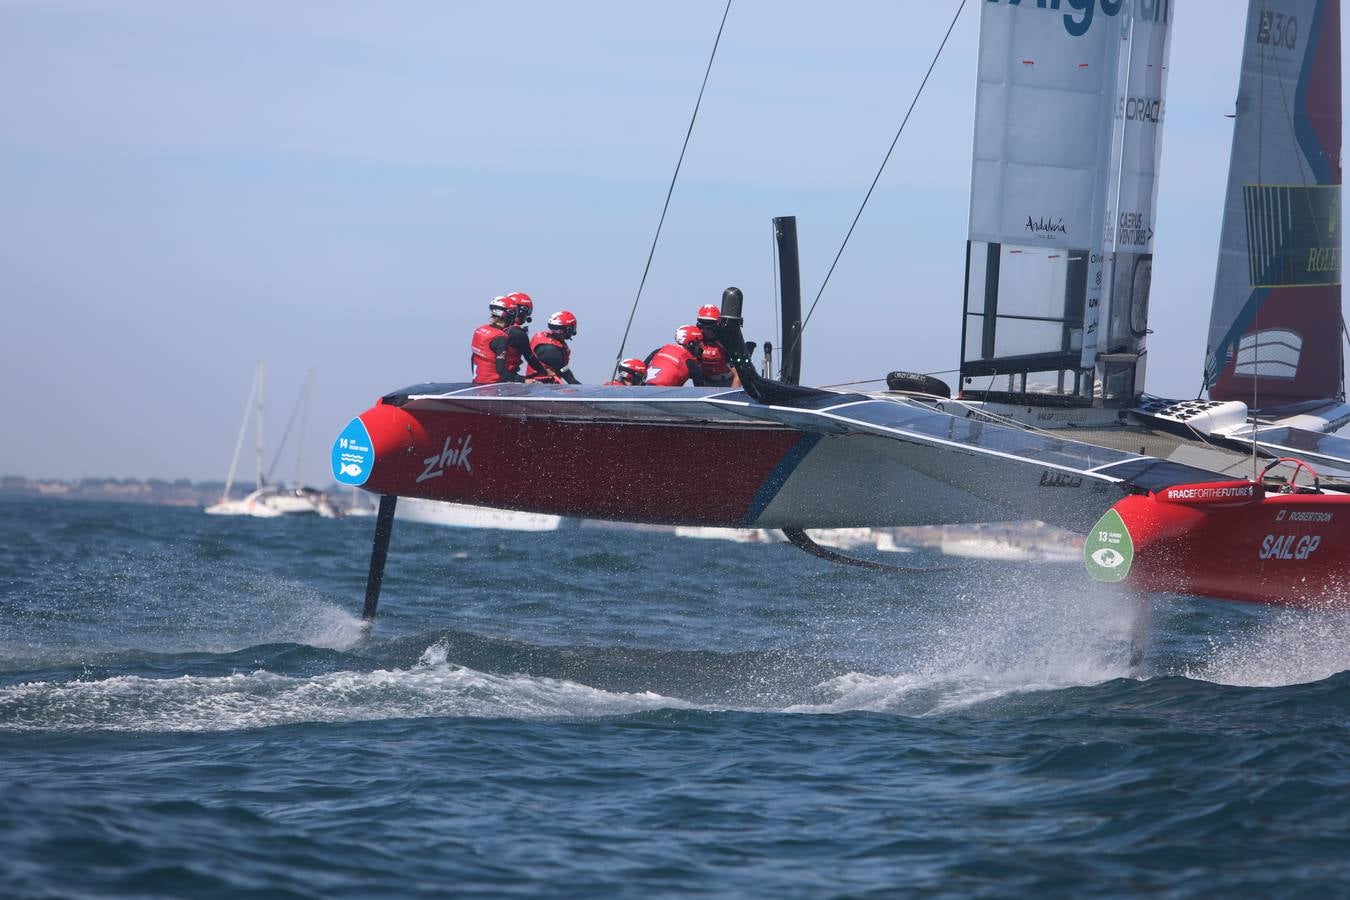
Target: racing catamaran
(1051, 421)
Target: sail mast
(239, 441)
(258, 432)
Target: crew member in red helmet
(674, 364)
(716, 367)
(518, 334)
(551, 350)
(631, 372)
(491, 344)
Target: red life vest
(547, 337)
(716, 369)
(669, 366)
(484, 361)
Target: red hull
(663, 474)
(1283, 549)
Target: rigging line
(1256, 313)
(671, 190)
(881, 169)
(285, 435)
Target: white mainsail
(1068, 119)
(1275, 326)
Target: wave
(433, 687)
(607, 682)
(1291, 647)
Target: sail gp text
(1289, 546)
(454, 455)
(1077, 26)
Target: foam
(1294, 647)
(262, 699)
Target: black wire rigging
(880, 169)
(671, 190)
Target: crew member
(674, 364)
(491, 344)
(524, 309)
(551, 350)
(518, 334)
(716, 368)
(631, 372)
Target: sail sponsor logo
(1047, 226)
(1140, 109)
(1324, 259)
(454, 455)
(1277, 30)
(1234, 492)
(1060, 480)
(1293, 234)
(1080, 14)
(1300, 515)
(1129, 228)
(1289, 546)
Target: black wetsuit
(554, 361)
(520, 342)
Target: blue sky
(186, 189)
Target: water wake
(1293, 647)
(433, 687)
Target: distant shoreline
(153, 491)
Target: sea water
(188, 708)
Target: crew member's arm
(696, 374)
(498, 347)
(521, 341)
(648, 358)
(552, 359)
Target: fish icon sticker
(1108, 550)
(353, 454)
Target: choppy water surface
(187, 708)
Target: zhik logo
(453, 456)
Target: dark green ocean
(187, 709)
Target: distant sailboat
(267, 501)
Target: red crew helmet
(503, 308)
(688, 335)
(563, 323)
(709, 316)
(632, 371)
(524, 307)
